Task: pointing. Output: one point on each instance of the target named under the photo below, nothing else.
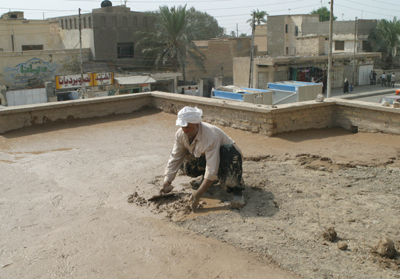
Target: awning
(132, 80)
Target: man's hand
(195, 198)
(166, 188)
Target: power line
(372, 6)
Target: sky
(230, 14)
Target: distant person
(371, 78)
(388, 79)
(383, 77)
(183, 91)
(374, 76)
(351, 88)
(346, 86)
(393, 79)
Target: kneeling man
(204, 149)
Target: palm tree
(259, 17)
(386, 38)
(169, 44)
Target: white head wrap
(189, 115)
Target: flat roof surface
(65, 213)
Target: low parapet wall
(349, 114)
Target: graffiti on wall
(33, 69)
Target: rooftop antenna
(342, 17)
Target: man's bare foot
(238, 202)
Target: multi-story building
(298, 47)
(109, 32)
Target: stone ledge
(63, 104)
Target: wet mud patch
(176, 206)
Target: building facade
(109, 32)
(219, 54)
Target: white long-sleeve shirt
(207, 142)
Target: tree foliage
(385, 38)
(168, 44)
(202, 26)
(259, 17)
(70, 65)
(324, 14)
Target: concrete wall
(261, 38)
(339, 28)
(12, 118)
(276, 33)
(282, 42)
(26, 97)
(310, 46)
(351, 115)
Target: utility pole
(329, 85)
(80, 54)
(237, 30)
(253, 28)
(354, 52)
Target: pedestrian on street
(346, 86)
(374, 77)
(371, 78)
(389, 79)
(393, 79)
(202, 149)
(383, 79)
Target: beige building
(304, 68)
(261, 38)
(283, 31)
(298, 47)
(219, 54)
(33, 52)
(19, 34)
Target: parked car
(390, 99)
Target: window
(339, 45)
(103, 21)
(125, 50)
(114, 22)
(124, 22)
(75, 23)
(296, 30)
(84, 22)
(90, 22)
(287, 28)
(32, 47)
(135, 21)
(13, 16)
(66, 24)
(62, 24)
(70, 23)
(287, 50)
(145, 22)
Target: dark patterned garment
(229, 172)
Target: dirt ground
(67, 206)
